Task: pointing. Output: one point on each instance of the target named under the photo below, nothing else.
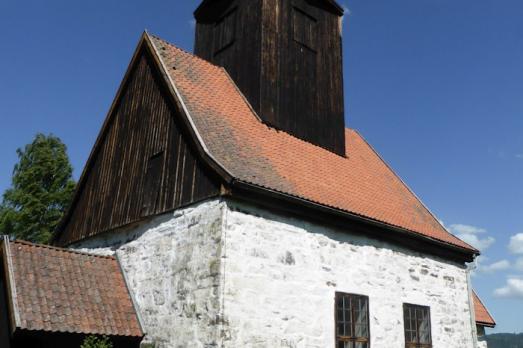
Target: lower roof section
(62, 291)
(483, 317)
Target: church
(226, 204)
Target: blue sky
(436, 86)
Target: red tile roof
(360, 183)
(483, 316)
(58, 290)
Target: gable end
(144, 162)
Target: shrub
(97, 342)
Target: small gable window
(304, 28)
(152, 183)
(225, 32)
(417, 326)
(352, 321)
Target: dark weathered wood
(144, 165)
(286, 58)
(229, 35)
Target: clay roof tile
(361, 183)
(48, 293)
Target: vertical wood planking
(144, 124)
(286, 59)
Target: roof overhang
(482, 314)
(209, 8)
(351, 222)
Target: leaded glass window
(417, 326)
(352, 321)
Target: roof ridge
(182, 50)
(66, 250)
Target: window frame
(338, 338)
(417, 328)
(306, 34)
(152, 183)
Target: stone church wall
(281, 275)
(230, 275)
(172, 265)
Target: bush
(97, 342)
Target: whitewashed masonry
(224, 274)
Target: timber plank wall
(286, 58)
(143, 165)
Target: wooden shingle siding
(143, 165)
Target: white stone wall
(172, 265)
(229, 275)
(482, 344)
(281, 275)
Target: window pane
(417, 325)
(340, 329)
(424, 329)
(352, 320)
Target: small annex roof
(483, 317)
(62, 291)
(231, 133)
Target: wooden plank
(145, 165)
(273, 63)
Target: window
(224, 32)
(417, 326)
(152, 184)
(304, 28)
(352, 321)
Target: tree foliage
(505, 340)
(41, 189)
(96, 342)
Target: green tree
(96, 342)
(42, 188)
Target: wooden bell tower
(286, 58)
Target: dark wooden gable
(144, 162)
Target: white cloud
(192, 23)
(469, 234)
(480, 244)
(519, 264)
(519, 156)
(516, 244)
(346, 12)
(495, 267)
(513, 289)
(466, 229)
